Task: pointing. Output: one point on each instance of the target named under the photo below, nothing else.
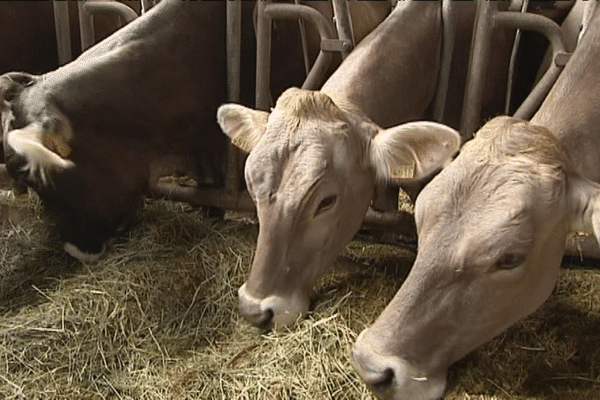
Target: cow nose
(251, 309)
(391, 377)
(378, 381)
(272, 311)
(257, 317)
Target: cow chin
(274, 312)
(83, 256)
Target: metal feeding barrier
(387, 218)
(232, 197)
(488, 18)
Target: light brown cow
(309, 204)
(492, 229)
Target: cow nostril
(267, 317)
(383, 382)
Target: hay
(155, 319)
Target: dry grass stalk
(155, 319)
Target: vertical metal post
(304, 42)
(234, 46)
(63, 31)
(479, 61)
(146, 5)
(86, 26)
(343, 23)
(447, 50)
(263, 56)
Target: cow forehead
(293, 154)
(487, 207)
(509, 160)
(285, 161)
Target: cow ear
(243, 125)
(41, 151)
(413, 150)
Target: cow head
(88, 187)
(492, 229)
(311, 173)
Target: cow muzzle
(272, 311)
(84, 257)
(393, 378)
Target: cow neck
(392, 74)
(570, 110)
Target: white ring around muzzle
(81, 255)
(285, 311)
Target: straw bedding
(156, 319)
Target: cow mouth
(83, 256)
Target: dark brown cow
(95, 135)
(91, 137)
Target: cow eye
(510, 260)
(326, 204)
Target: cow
(30, 25)
(492, 228)
(309, 203)
(92, 137)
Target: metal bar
(447, 50)
(513, 60)
(111, 7)
(478, 65)
(63, 31)
(206, 197)
(553, 33)
(234, 50)
(315, 78)
(399, 222)
(86, 26)
(147, 5)
(263, 56)
(304, 43)
(343, 23)
(487, 19)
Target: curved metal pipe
(553, 33)
(343, 24)
(111, 7)
(292, 11)
(487, 19)
(63, 31)
(478, 65)
(263, 57)
(513, 60)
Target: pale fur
(27, 142)
(412, 150)
(243, 125)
